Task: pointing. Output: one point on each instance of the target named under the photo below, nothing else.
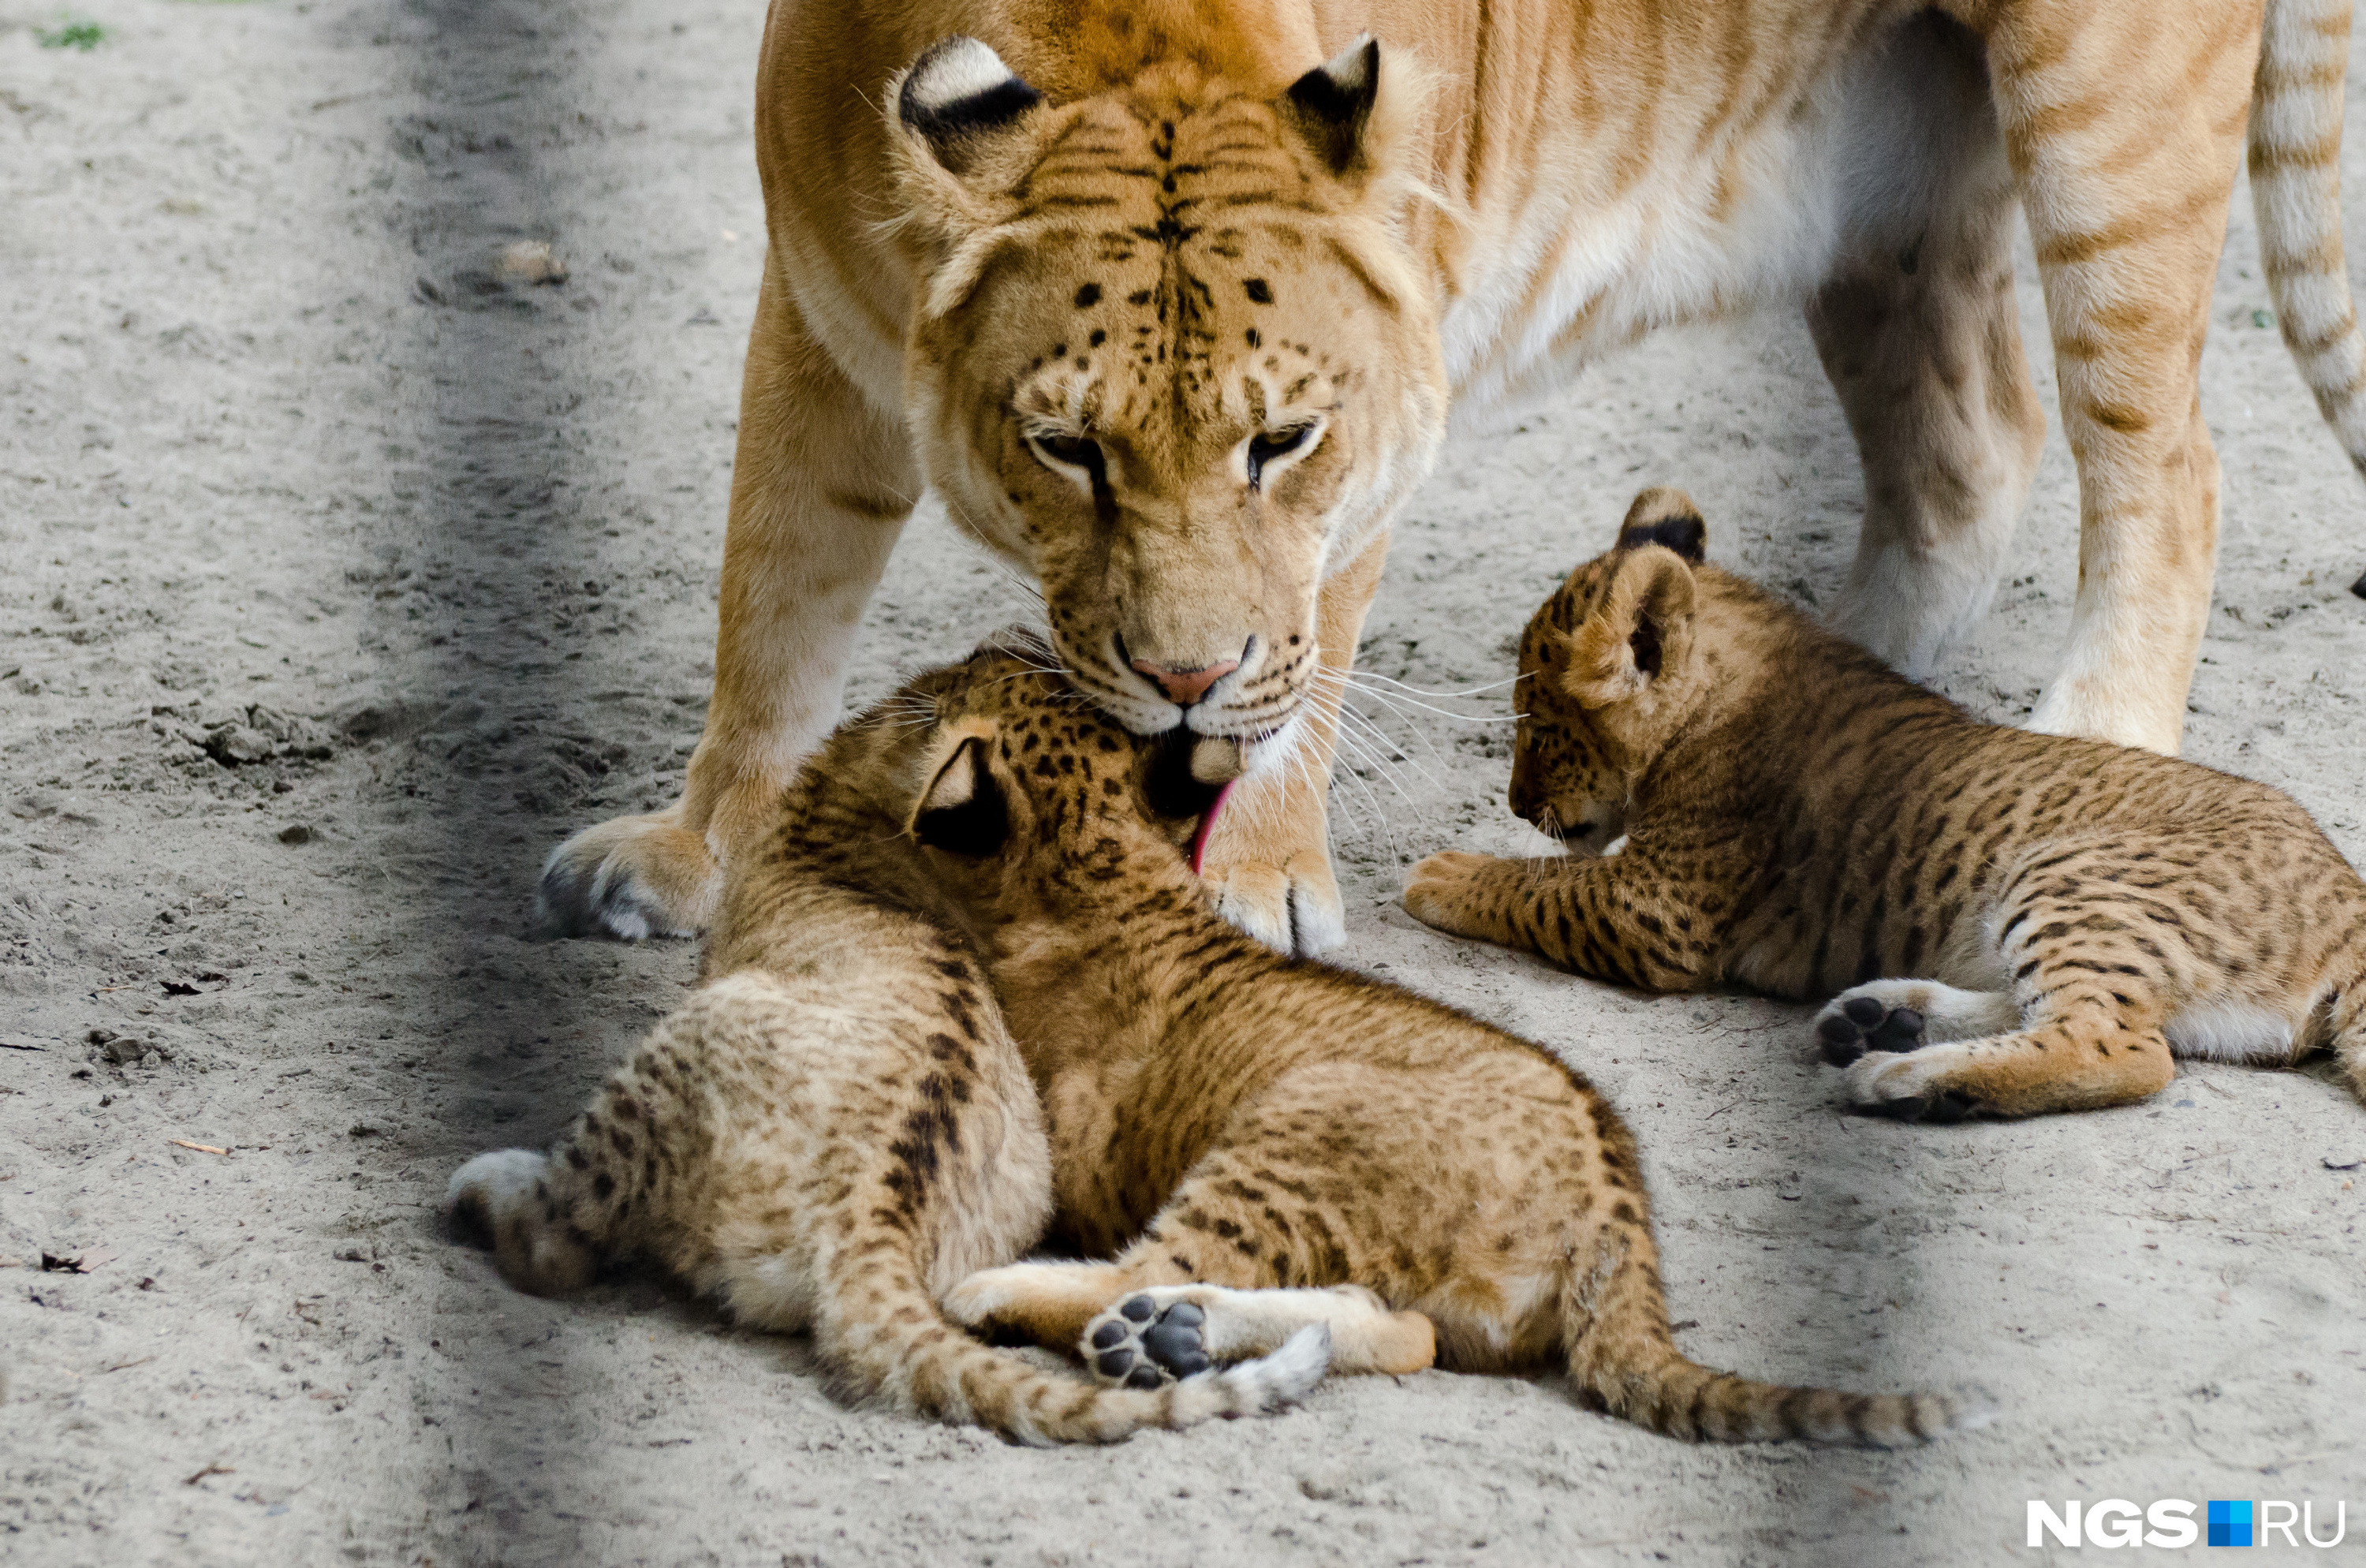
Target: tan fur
(1164, 253)
(1271, 1142)
(2022, 923)
(829, 1135)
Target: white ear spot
(960, 88)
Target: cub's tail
(876, 1326)
(1615, 1322)
(2295, 162)
(2349, 1033)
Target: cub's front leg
(1626, 918)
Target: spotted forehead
(1184, 231)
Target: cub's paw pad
(1851, 1027)
(1945, 1108)
(1137, 1345)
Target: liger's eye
(1060, 451)
(1270, 446)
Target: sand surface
(429, 559)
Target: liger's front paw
(1291, 908)
(629, 877)
(1136, 1345)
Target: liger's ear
(962, 811)
(1665, 515)
(958, 97)
(1641, 633)
(1333, 103)
(1359, 111)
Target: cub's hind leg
(1906, 1015)
(2077, 931)
(554, 1218)
(1142, 1320)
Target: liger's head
(1170, 355)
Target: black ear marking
(1686, 535)
(963, 812)
(1644, 642)
(957, 91)
(1336, 98)
(1171, 786)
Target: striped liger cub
(2015, 922)
(1244, 1143)
(834, 1131)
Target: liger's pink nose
(1184, 687)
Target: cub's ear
(962, 811)
(957, 97)
(1665, 515)
(1641, 633)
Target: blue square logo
(2230, 1524)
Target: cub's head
(1169, 354)
(1013, 784)
(1609, 674)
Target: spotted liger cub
(835, 1130)
(1244, 1143)
(2015, 922)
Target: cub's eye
(1079, 457)
(1274, 448)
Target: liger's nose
(1184, 687)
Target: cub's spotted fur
(1248, 1141)
(2023, 922)
(835, 1131)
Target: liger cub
(2015, 923)
(1243, 1142)
(835, 1130)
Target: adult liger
(1172, 300)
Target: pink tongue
(1207, 826)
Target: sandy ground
(429, 562)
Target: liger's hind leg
(2125, 134)
(1919, 332)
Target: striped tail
(2349, 1033)
(2295, 162)
(901, 1352)
(1615, 1323)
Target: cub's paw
(503, 1200)
(1909, 1087)
(629, 877)
(1442, 891)
(1136, 1343)
(493, 1190)
(1867, 1019)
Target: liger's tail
(2295, 162)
